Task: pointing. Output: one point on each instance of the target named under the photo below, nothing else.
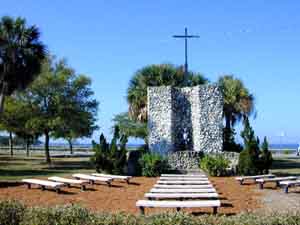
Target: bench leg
(92, 182)
(43, 188)
(127, 181)
(109, 184)
(177, 209)
(277, 184)
(83, 188)
(241, 182)
(215, 210)
(68, 185)
(261, 185)
(142, 210)
(28, 186)
(286, 189)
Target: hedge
(15, 213)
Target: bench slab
(181, 195)
(178, 186)
(183, 182)
(183, 175)
(45, 183)
(111, 176)
(202, 190)
(67, 180)
(185, 178)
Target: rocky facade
(189, 118)
(184, 160)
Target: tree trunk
(70, 147)
(2, 97)
(27, 147)
(47, 153)
(10, 143)
(228, 121)
(3, 91)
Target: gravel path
(275, 200)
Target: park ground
(121, 197)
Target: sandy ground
(122, 197)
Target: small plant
(11, 212)
(286, 152)
(110, 158)
(215, 165)
(153, 165)
(265, 157)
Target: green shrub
(215, 165)
(62, 215)
(286, 151)
(11, 212)
(153, 165)
(110, 158)
(14, 213)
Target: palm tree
(238, 102)
(21, 54)
(156, 75)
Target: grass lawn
(19, 167)
(286, 165)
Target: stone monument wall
(196, 111)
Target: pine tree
(249, 157)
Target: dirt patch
(122, 197)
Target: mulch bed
(122, 197)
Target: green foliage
(156, 75)
(111, 158)
(215, 165)
(14, 213)
(249, 157)
(229, 144)
(238, 104)
(131, 128)
(63, 103)
(11, 212)
(153, 165)
(62, 215)
(252, 160)
(265, 158)
(20, 57)
(286, 151)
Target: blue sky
(257, 41)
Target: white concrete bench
(142, 204)
(43, 184)
(180, 196)
(202, 190)
(242, 179)
(93, 179)
(183, 175)
(115, 177)
(184, 178)
(287, 184)
(183, 186)
(262, 181)
(188, 182)
(70, 182)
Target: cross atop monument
(186, 36)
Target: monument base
(184, 160)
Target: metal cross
(186, 36)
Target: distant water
(276, 147)
(283, 146)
